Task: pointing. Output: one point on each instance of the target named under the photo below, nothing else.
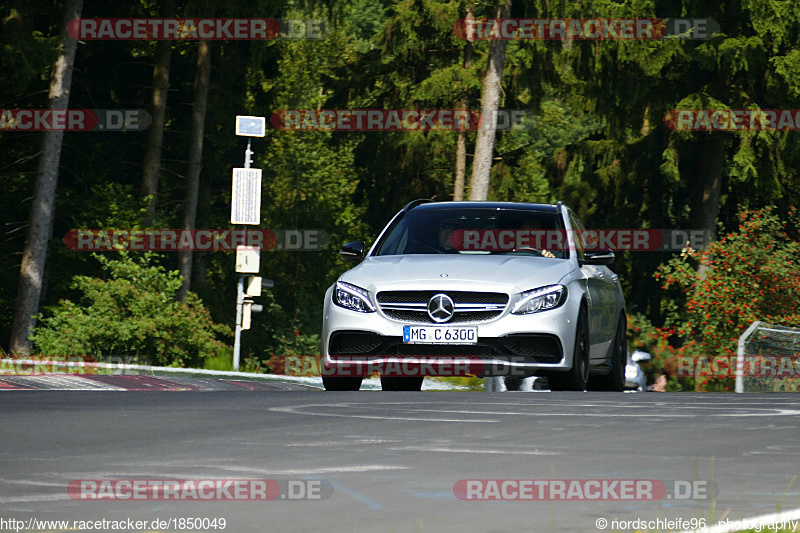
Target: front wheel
(578, 375)
(401, 383)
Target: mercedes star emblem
(441, 308)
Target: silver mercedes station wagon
(513, 288)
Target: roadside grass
(222, 362)
(462, 382)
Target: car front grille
(543, 348)
(354, 343)
(470, 307)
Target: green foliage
(596, 140)
(132, 313)
(25, 51)
(527, 152)
(363, 21)
(747, 275)
(632, 170)
(280, 331)
(715, 294)
(112, 205)
(310, 183)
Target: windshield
(474, 231)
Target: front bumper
(507, 345)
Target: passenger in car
(446, 229)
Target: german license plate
(440, 335)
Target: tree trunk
(202, 73)
(708, 188)
(490, 100)
(461, 141)
(155, 134)
(200, 259)
(40, 223)
(461, 164)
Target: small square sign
(247, 126)
(248, 259)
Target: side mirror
(353, 252)
(598, 257)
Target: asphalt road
(392, 459)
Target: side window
(578, 233)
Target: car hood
(506, 273)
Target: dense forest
(594, 136)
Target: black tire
(401, 383)
(578, 375)
(341, 383)
(513, 383)
(615, 380)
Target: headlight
(352, 297)
(540, 299)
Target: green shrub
(747, 275)
(133, 313)
(750, 275)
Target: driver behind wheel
(534, 225)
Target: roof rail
(414, 203)
(558, 206)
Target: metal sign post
(237, 337)
(245, 209)
(247, 153)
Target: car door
(602, 296)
